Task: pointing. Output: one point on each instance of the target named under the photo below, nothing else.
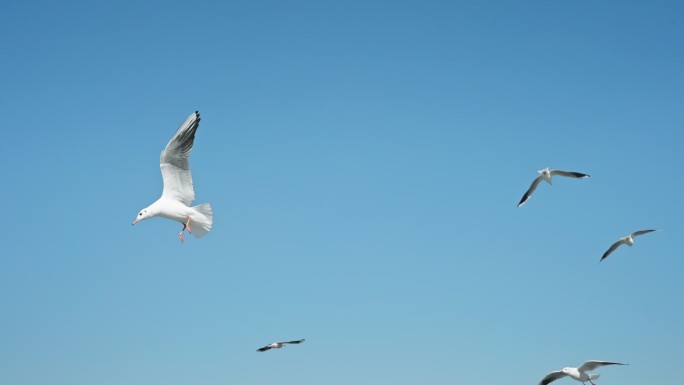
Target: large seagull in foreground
(278, 345)
(580, 374)
(546, 176)
(628, 240)
(178, 193)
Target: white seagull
(580, 374)
(278, 345)
(178, 193)
(628, 240)
(546, 175)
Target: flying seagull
(278, 345)
(178, 193)
(580, 374)
(628, 240)
(546, 175)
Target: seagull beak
(135, 221)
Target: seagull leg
(180, 235)
(187, 224)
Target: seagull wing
(529, 192)
(174, 164)
(641, 232)
(591, 365)
(294, 342)
(265, 348)
(569, 174)
(553, 376)
(612, 248)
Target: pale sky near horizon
(364, 161)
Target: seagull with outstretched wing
(546, 175)
(278, 345)
(628, 240)
(580, 374)
(178, 192)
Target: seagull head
(143, 214)
(545, 171)
(545, 174)
(565, 370)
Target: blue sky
(364, 161)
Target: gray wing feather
(569, 174)
(553, 376)
(641, 232)
(529, 191)
(612, 248)
(174, 162)
(591, 365)
(294, 342)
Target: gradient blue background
(364, 161)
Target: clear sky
(364, 160)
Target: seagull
(178, 193)
(628, 240)
(580, 374)
(546, 175)
(278, 345)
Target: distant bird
(278, 345)
(628, 240)
(580, 374)
(178, 192)
(546, 175)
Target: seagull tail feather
(594, 376)
(201, 224)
